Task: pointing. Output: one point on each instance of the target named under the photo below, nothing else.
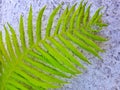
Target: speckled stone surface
(101, 75)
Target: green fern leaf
(66, 18)
(46, 63)
(22, 33)
(60, 21)
(50, 21)
(38, 24)
(30, 28)
(15, 41)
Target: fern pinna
(46, 62)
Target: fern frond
(15, 41)
(39, 24)
(79, 21)
(50, 21)
(46, 63)
(95, 16)
(66, 18)
(22, 33)
(3, 49)
(30, 28)
(9, 45)
(86, 15)
(60, 21)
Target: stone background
(101, 75)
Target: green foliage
(46, 62)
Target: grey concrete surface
(101, 75)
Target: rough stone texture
(101, 75)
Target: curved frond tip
(46, 62)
